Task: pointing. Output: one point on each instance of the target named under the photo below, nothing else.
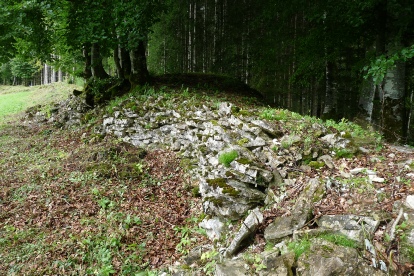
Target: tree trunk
(393, 98)
(117, 61)
(87, 72)
(139, 71)
(97, 68)
(125, 60)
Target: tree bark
(117, 61)
(97, 68)
(87, 72)
(139, 72)
(393, 119)
(125, 60)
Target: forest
(341, 60)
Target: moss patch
(221, 183)
(316, 164)
(244, 161)
(243, 141)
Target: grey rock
(225, 108)
(362, 170)
(194, 256)
(268, 127)
(325, 258)
(247, 229)
(290, 139)
(108, 121)
(214, 227)
(354, 227)
(285, 226)
(327, 159)
(410, 201)
(277, 265)
(235, 267)
(232, 200)
(335, 141)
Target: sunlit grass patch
(16, 99)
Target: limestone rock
(284, 226)
(410, 201)
(277, 265)
(325, 258)
(247, 229)
(354, 227)
(214, 227)
(235, 267)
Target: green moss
(319, 194)
(229, 174)
(243, 141)
(227, 157)
(216, 201)
(186, 164)
(214, 122)
(244, 161)
(101, 169)
(245, 113)
(316, 164)
(217, 182)
(221, 183)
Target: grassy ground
(15, 99)
(73, 203)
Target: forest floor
(73, 204)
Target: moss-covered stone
(214, 122)
(216, 201)
(244, 161)
(221, 183)
(316, 164)
(245, 113)
(243, 141)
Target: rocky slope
(283, 194)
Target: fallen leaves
(50, 199)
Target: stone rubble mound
(236, 189)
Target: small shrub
(227, 157)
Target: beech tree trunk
(87, 72)
(139, 71)
(125, 61)
(392, 98)
(117, 61)
(97, 68)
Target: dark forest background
(331, 59)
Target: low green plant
(299, 247)
(209, 260)
(343, 153)
(287, 143)
(227, 157)
(339, 239)
(184, 232)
